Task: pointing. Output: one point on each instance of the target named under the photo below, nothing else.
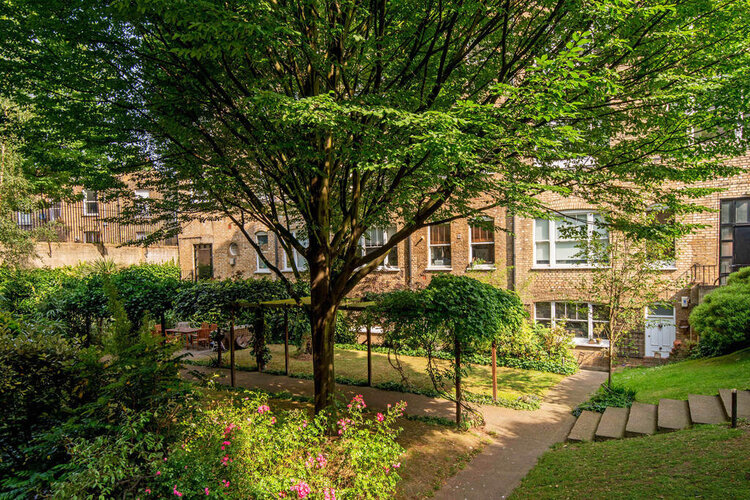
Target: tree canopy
(325, 119)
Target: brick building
(85, 232)
(530, 257)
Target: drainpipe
(407, 256)
(511, 251)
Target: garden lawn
(511, 382)
(433, 452)
(705, 462)
(677, 380)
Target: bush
(606, 396)
(723, 318)
(346, 331)
(246, 450)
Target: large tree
(323, 119)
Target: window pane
(726, 248)
(560, 308)
(440, 234)
(742, 212)
(391, 260)
(661, 310)
(726, 265)
(440, 256)
(541, 230)
(601, 313)
(374, 238)
(579, 328)
(726, 212)
(483, 253)
(543, 310)
(727, 232)
(479, 234)
(572, 227)
(567, 252)
(542, 253)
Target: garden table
(185, 331)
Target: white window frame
(666, 264)
(143, 194)
(590, 321)
(471, 248)
(386, 265)
(301, 266)
(86, 202)
(260, 266)
(552, 232)
(430, 266)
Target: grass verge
(677, 380)
(704, 462)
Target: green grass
(512, 383)
(677, 380)
(705, 462)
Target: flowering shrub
(244, 449)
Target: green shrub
(345, 332)
(605, 396)
(246, 450)
(723, 318)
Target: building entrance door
(660, 331)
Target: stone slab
(585, 427)
(612, 424)
(706, 409)
(743, 403)
(642, 420)
(673, 415)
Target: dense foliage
(723, 318)
(607, 395)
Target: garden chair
(157, 331)
(203, 337)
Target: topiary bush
(723, 318)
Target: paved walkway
(520, 436)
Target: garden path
(520, 436)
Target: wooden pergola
(286, 305)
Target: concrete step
(585, 427)
(706, 409)
(743, 403)
(642, 420)
(673, 415)
(612, 424)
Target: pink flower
(380, 417)
(176, 493)
(329, 494)
(158, 473)
(227, 443)
(302, 488)
(263, 409)
(205, 490)
(273, 420)
(397, 465)
(225, 482)
(165, 459)
(358, 402)
(148, 491)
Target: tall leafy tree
(323, 119)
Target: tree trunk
(323, 306)
(609, 365)
(458, 381)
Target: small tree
(628, 278)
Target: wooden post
(260, 341)
(286, 341)
(458, 382)
(734, 408)
(369, 355)
(231, 349)
(494, 371)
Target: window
(439, 243)
(204, 261)
(92, 237)
(557, 242)
(90, 202)
(665, 255)
(143, 207)
(261, 238)
(24, 219)
(587, 321)
(377, 237)
(482, 246)
(299, 260)
(734, 236)
(140, 235)
(55, 211)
